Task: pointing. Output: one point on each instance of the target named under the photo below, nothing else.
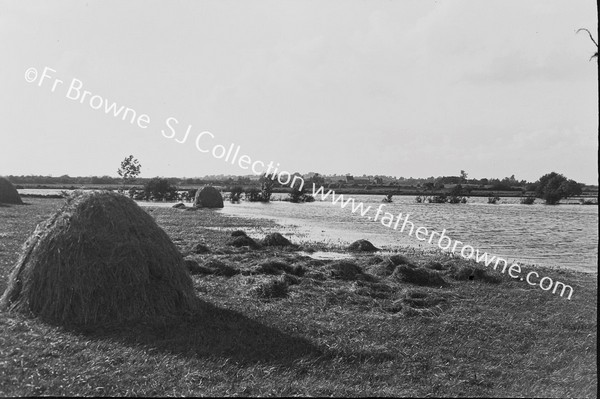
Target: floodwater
(556, 236)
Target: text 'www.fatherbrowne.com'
(396, 222)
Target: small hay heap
(100, 259)
(8, 193)
(208, 197)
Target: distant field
(305, 329)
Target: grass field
(274, 322)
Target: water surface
(555, 236)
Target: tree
(296, 194)
(318, 180)
(463, 176)
(158, 189)
(129, 170)
(253, 194)
(553, 187)
(236, 193)
(266, 187)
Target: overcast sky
(404, 88)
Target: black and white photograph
(306, 198)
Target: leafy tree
(463, 175)
(235, 194)
(553, 187)
(129, 170)
(428, 186)
(158, 189)
(318, 180)
(253, 194)
(299, 195)
(266, 187)
(456, 190)
(296, 194)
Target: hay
(398, 259)
(99, 259)
(362, 246)
(220, 268)
(375, 260)
(279, 267)
(346, 270)
(461, 273)
(244, 241)
(436, 266)
(194, 268)
(275, 240)
(383, 269)
(407, 274)
(200, 249)
(272, 288)
(208, 197)
(8, 193)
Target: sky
(411, 88)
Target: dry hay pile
(244, 241)
(419, 276)
(275, 240)
(362, 246)
(345, 270)
(208, 197)
(99, 259)
(8, 193)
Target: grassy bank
(275, 322)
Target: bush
(553, 187)
(235, 194)
(493, 199)
(253, 195)
(438, 199)
(158, 189)
(529, 200)
(299, 195)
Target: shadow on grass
(211, 332)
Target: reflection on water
(557, 236)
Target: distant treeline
(377, 184)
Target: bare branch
(589, 33)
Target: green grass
(320, 336)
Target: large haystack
(8, 193)
(100, 259)
(208, 197)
